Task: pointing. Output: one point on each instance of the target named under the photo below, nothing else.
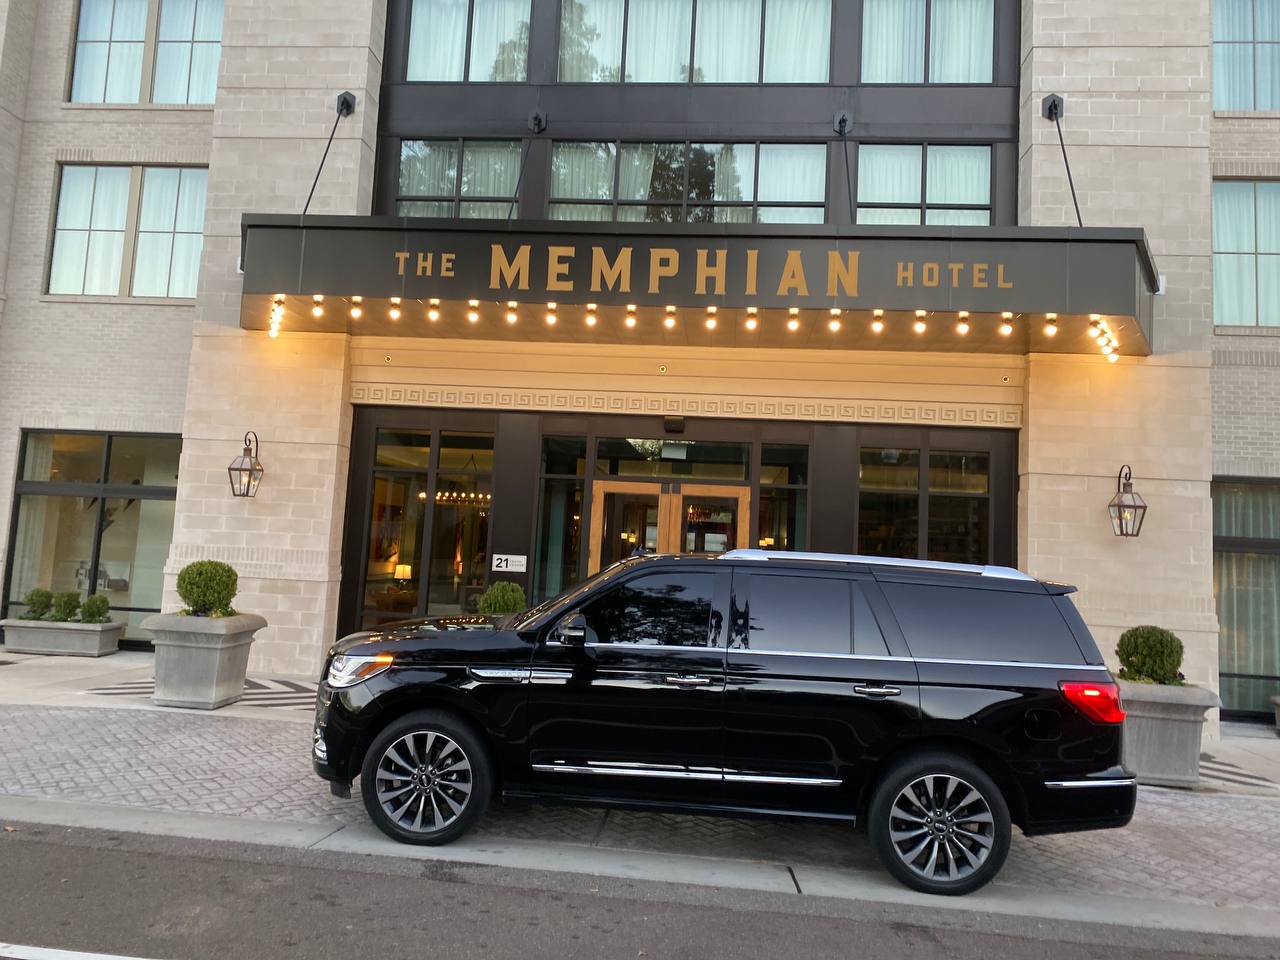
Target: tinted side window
(868, 641)
(667, 609)
(970, 624)
(800, 614)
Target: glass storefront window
(53, 549)
(463, 451)
(784, 464)
(395, 546)
(887, 468)
(403, 451)
(685, 459)
(889, 522)
(958, 529)
(64, 457)
(135, 544)
(784, 519)
(144, 461)
(559, 537)
(564, 456)
(959, 472)
(459, 562)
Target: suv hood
(419, 631)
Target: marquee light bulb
(630, 321)
(473, 303)
(711, 323)
(512, 316)
(273, 333)
(833, 325)
(962, 327)
(877, 325)
(669, 322)
(1006, 328)
(752, 323)
(356, 311)
(920, 326)
(551, 318)
(794, 311)
(1108, 350)
(473, 316)
(394, 313)
(1113, 357)
(1050, 328)
(793, 324)
(591, 317)
(712, 311)
(433, 314)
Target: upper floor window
(1246, 55)
(1246, 253)
(928, 41)
(938, 185)
(726, 41)
(456, 178)
(483, 41)
(684, 182)
(158, 51)
(106, 241)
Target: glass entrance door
(628, 516)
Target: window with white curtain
(680, 41)
(1246, 253)
(109, 235)
(170, 231)
(188, 50)
(457, 178)
(110, 41)
(1246, 585)
(928, 41)
(481, 41)
(157, 51)
(689, 182)
(932, 184)
(1246, 55)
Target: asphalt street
(134, 895)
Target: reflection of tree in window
(664, 610)
(513, 54)
(578, 38)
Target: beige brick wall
(1136, 79)
(77, 362)
(283, 66)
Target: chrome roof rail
(1005, 573)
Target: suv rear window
(955, 623)
(806, 614)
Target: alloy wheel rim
(424, 781)
(941, 828)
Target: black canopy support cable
(346, 106)
(1051, 107)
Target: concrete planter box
(201, 661)
(1162, 731)
(62, 639)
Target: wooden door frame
(727, 491)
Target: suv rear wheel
(426, 778)
(939, 824)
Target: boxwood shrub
(1150, 654)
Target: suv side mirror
(572, 629)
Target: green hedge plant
(502, 597)
(207, 587)
(1150, 655)
(65, 607)
(38, 603)
(95, 609)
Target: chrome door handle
(864, 691)
(682, 681)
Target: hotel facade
(580, 277)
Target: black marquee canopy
(955, 289)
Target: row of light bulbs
(1098, 328)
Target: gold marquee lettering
(793, 278)
(664, 262)
(617, 274)
(716, 272)
(558, 268)
(508, 272)
(842, 272)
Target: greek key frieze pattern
(751, 408)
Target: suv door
(633, 711)
(818, 688)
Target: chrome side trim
(614, 769)
(1015, 663)
(499, 674)
(1086, 784)
(551, 676)
(1003, 573)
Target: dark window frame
(693, 47)
(101, 491)
(1259, 545)
(924, 206)
(685, 203)
(928, 49)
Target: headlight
(346, 670)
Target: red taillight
(1097, 701)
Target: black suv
(936, 703)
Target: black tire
(426, 778)
(953, 854)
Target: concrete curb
(362, 839)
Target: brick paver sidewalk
(1208, 849)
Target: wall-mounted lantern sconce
(1127, 509)
(246, 470)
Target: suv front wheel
(939, 824)
(426, 778)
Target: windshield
(567, 600)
